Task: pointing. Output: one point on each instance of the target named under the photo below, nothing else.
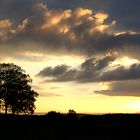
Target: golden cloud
(23, 25)
(5, 24)
(65, 21)
(7, 28)
(101, 17)
(76, 31)
(73, 24)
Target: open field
(56, 126)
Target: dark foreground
(55, 126)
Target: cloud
(5, 24)
(122, 88)
(96, 65)
(114, 8)
(56, 31)
(69, 30)
(88, 71)
(46, 94)
(92, 70)
(42, 92)
(49, 71)
(122, 73)
(5, 28)
(78, 31)
(59, 73)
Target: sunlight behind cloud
(104, 85)
(5, 23)
(124, 61)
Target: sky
(81, 54)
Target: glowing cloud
(79, 31)
(5, 23)
(23, 25)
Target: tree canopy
(16, 93)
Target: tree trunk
(6, 106)
(13, 110)
(13, 104)
(0, 106)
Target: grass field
(55, 126)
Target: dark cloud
(119, 73)
(59, 73)
(49, 71)
(122, 88)
(92, 70)
(70, 75)
(88, 64)
(122, 73)
(89, 71)
(102, 63)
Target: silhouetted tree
(72, 114)
(0, 105)
(71, 111)
(15, 90)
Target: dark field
(55, 126)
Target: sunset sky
(81, 54)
